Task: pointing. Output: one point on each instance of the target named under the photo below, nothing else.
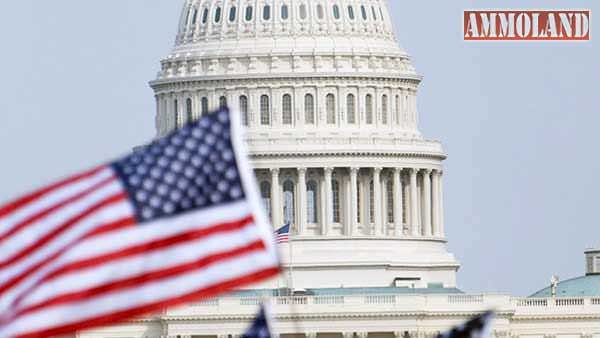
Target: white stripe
(142, 263)
(106, 215)
(140, 295)
(111, 242)
(147, 232)
(52, 198)
(54, 220)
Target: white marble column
(353, 201)
(302, 212)
(398, 198)
(435, 203)
(275, 199)
(328, 219)
(377, 207)
(427, 202)
(441, 194)
(414, 210)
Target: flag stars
(193, 168)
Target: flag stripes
(103, 246)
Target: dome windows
(309, 109)
(330, 108)
(249, 13)
(303, 12)
(267, 12)
(373, 13)
(288, 202)
(351, 12)
(232, 14)
(205, 16)
(351, 108)
(195, 16)
(320, 12)
(265, 195)
(384, 109)
(336, 12)
(222, 102)
(369, 108)
(335, 190)
(286, 109)
(204, 104)
(244, 109)
(363, 12)
(285, 14)
(265, 110)
(218, 14)
(312, 200)
(188, 109)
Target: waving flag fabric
(260, 328)
(177, 221)
(478, 327)
(282, 235)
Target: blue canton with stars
(193, 168)
(260, 326)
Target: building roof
(586, 286)
(351, 291)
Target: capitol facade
(329, 101)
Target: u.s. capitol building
(329, 100)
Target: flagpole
(291, 271)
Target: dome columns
(356, 202)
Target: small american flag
(177, 221)
(478, 327)
(282, 235)
(260, 328)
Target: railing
(595, 301)
(465, 299)
(532, 302)
(569, 302)
(329, 300)
(385, 299)
(207, 302)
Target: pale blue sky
(519, 120)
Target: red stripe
(48, 211)
(149, 246)
(138, 249)
(140, 280)
(12, 206)
(123, 315)
(119, 197)
(114, 226)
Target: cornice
(305, 154)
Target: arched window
(390, 200)
(284, 12)
(249, 13)
(312, 207)
(265, 111)
(371, 202)
(288, 203)
(351, 12)
(384, 109)
(336, 12)
(205, 16)
(267, 12)
(398, 109)
(265, 194)
(309, 109)
(244, 109)
(204, 103)
(351, 107)
(232, 14)
(303, 12)
(381, 14)
(188, 109)
(330, 108)
(369, 108)
(373, 12)
(335, 190)
(176, 110)
(286, 108)
(363, 11)
(218, 15)
(222, 102)
(195, 16)
(320, 12)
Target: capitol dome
(329, 101)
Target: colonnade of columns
(353, 201)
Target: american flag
(282, 235)
(260, 328)
(478, 327)
(177, 221)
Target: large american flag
(177, 221)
